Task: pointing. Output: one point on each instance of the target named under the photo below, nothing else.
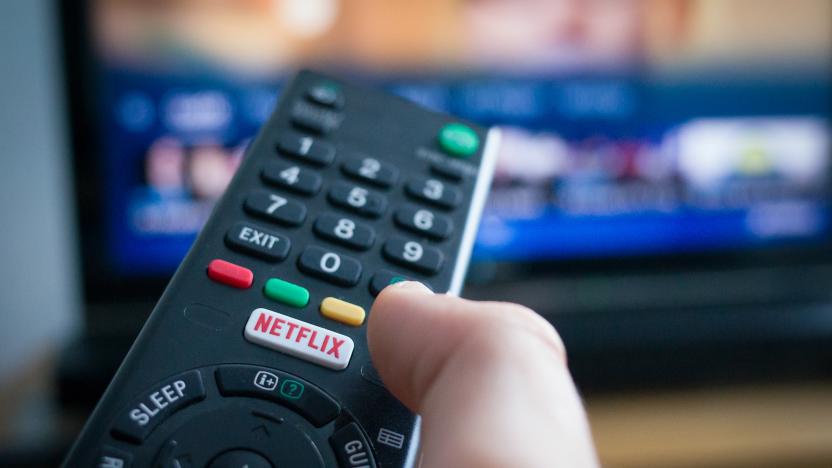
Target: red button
(230, 274)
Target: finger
(488, 379)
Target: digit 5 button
(422, 221)
(413, 255)
(358, 199)
(273, 207)
(434, 191)
(330, 266)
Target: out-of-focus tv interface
(629, 128)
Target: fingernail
(411, 286)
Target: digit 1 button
(413, 255)
(434, 192)
(345, 231)
(342, 311)
(330, 266)
(292, 177)
(306, 149)
(273, 207)
(254, 240)
(358, 199)
(230, 274)
(370, 170)
(459, 140)
(422, 221)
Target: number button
(330, 266)
(275, 208)
(435, 192)
(371, 170)
(345, 231)
(422, 221)
(292, 178)
(306, 149)
(358, 199)
(413, 255)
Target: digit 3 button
(345, 231)
(435, 192)
(422, 221)
(413, 255)
(330, 266)
(254, 240)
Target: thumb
(489, 380)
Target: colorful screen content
(629, 127)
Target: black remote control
(256, 354)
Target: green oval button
(286, 292)
(459, 140)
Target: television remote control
(256, 354)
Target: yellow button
(342, 311)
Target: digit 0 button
(230, 274)
(342, 311)
(254, 240)
(299, 339)
(286, 292)
(157, 404)
(330, 266)
(459, 140)
(413, 255)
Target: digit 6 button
(422, 221)
(413, 255)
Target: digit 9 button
(413, 255)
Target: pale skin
(489, 379)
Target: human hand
(489, 379)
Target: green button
(459, 140)
(286, 292)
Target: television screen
(630, 128)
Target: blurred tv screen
(630, 127)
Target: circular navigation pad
(243, 433)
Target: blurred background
(662, 193)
